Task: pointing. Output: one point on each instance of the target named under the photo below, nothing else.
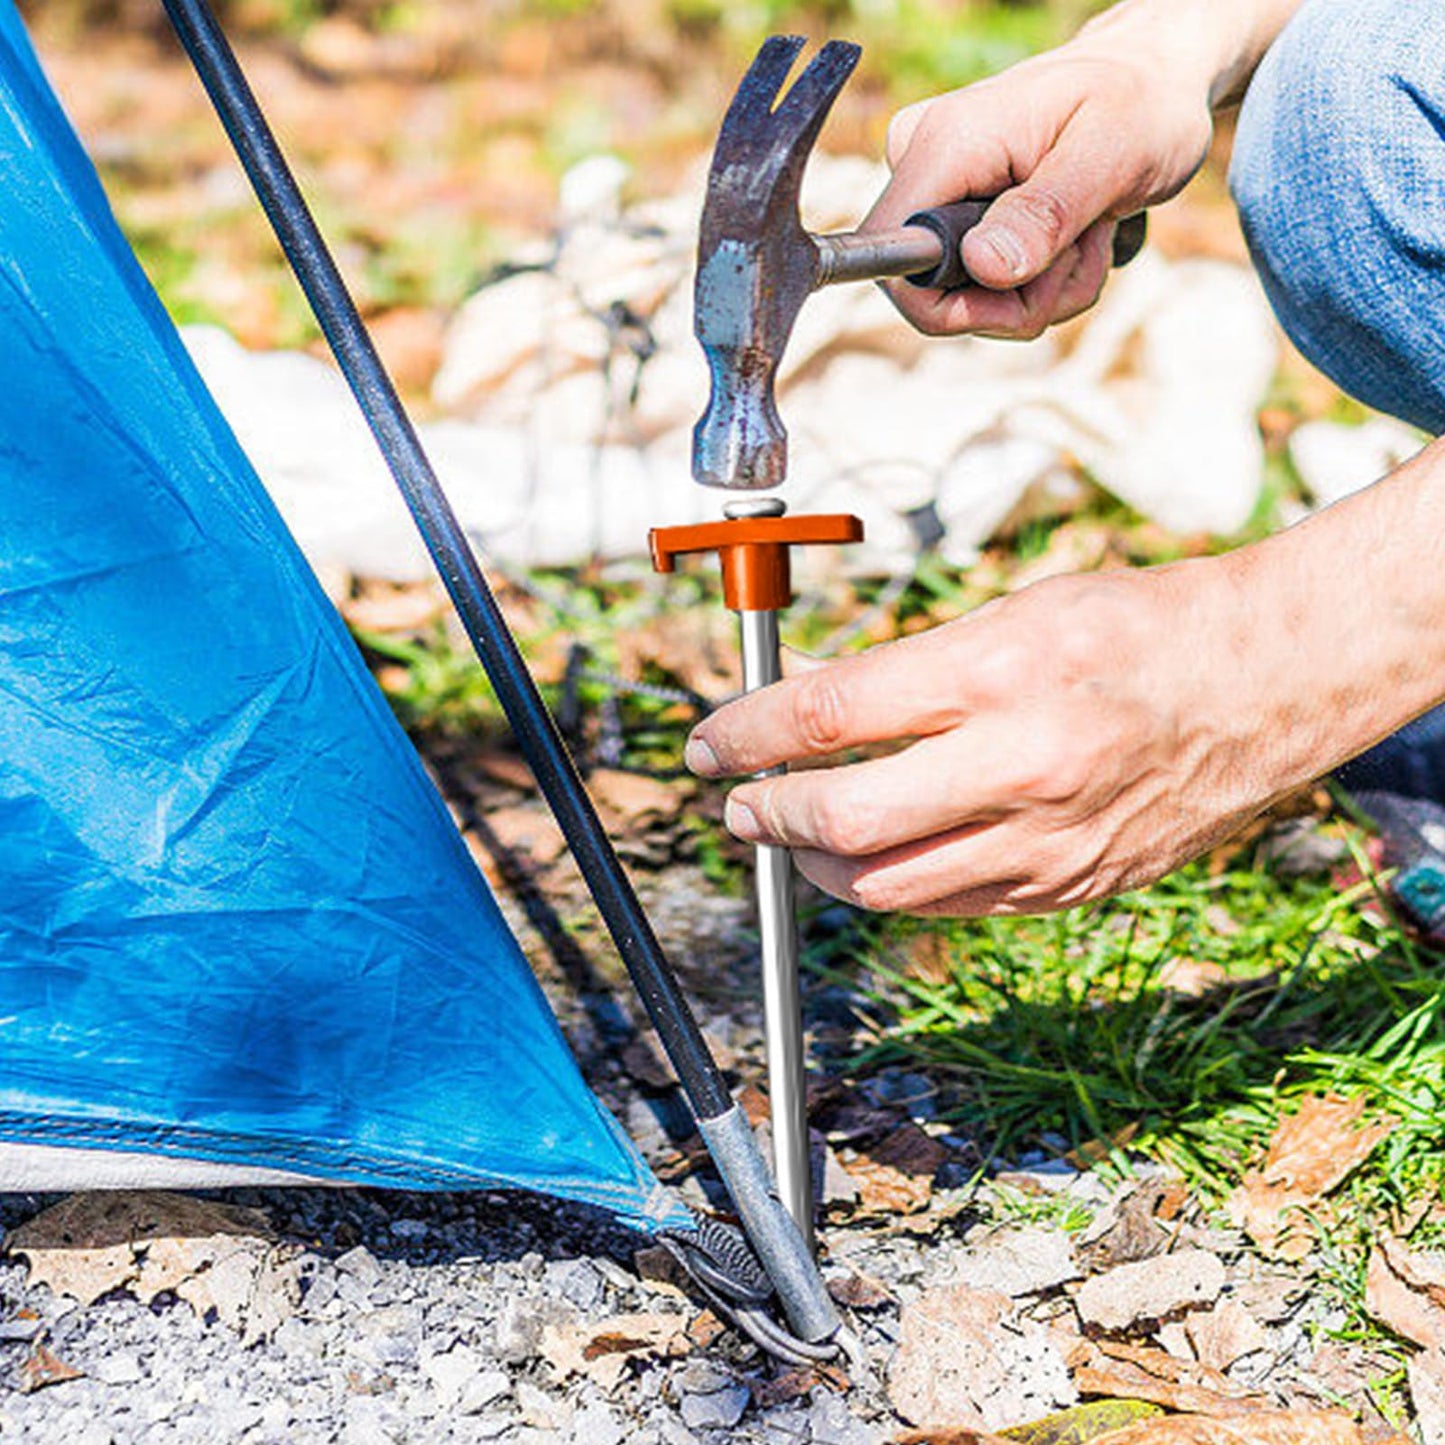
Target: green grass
(1062, 1027)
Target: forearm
(1216, 43)
(1336, 627)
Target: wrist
(1330, 636)
(1211, 47)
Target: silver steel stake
(778, 934)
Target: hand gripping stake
(754, 546)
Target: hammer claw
(806, 105)
(759, 88)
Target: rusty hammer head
(756, 264)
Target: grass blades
(1177, 1019)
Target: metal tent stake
(754, 545)
(770, 1231)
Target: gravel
(434, 1317)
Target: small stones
(595, 1424)
(716, 1409)
(451, 1371)
(519, 1326)
(832, 1423)
(359, 1264)
(119, 1367)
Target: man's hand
(1063, 749)
(1090, 733)
(1070, 142)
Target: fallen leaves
(44, 1367)
(634, 800)
(1121, 1371)
(219, 1258)
(1312, 1152)
(1257, 1427)
(895, 1176)
(601, 1351)
(1150, 1289)
(1225, 1334)
(967, 1359)
(1405, 1289)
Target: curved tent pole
(779, 1245)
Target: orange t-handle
(754, 552)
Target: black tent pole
(770, 1229)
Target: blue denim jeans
(1339, 176)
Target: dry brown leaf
(1120, 1371)
(528, 830)
(695, 645)
(1312, 1152)
(1150, 1289)
(217, 1257)
(895, 1176)
(946, 1346)
(966, 1358)
(1192, 977)
(44, 1367)
(1257, 1427)
(1095, 1151)
(1135, 1227)
(705, 1330)
(1395, 1298)
(634, 800)
(382, 607)
(910, 1149)
(601, 1351)
(507, 768)
(1225, 1334)
(859, 1291)
(1426, 1374)
(884, 1190)
(794, 1384)
(1423, 1270)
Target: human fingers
(1006, 867)
(1093, 258)
(934, 785)
(1079, 180)
(1021, 314)
(898, 689)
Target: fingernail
(700, 758)
(1007, 247)
(741, 821)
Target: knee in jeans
(1346, 114)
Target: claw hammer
(756, 266)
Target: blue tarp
(236, 921)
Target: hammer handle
(926, 248)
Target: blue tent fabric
(236, 921)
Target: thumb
(901, 129)
(1029, 227)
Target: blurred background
(432, 135)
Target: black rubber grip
(952, 223)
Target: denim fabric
(1339, 175)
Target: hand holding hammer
(757, 264)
